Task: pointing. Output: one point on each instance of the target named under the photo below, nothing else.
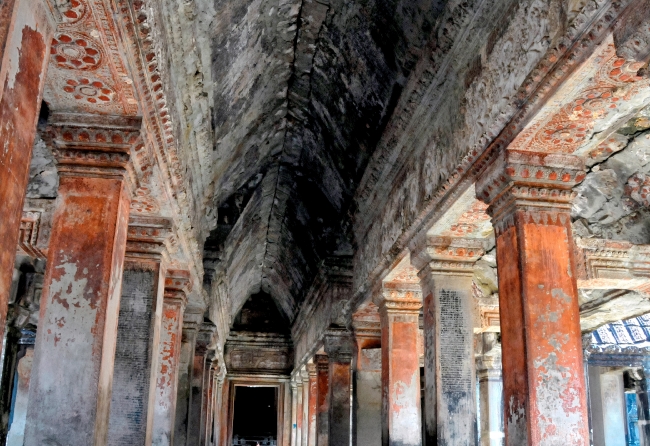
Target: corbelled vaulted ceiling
(299, 95)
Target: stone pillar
(138, 332)
(26, 30)
(202, 360)
(529, 196)
(294, 413)
(221, 407)
(446, 268)
(192, 321)
(299, 409)
(323, 400)
(339, 347)
(490, 384)
(176, 284)
(16, 435)
(643, 394)
(70, 392)
(304, 375)
(207, 414)
(312, 404)
(399, 307)
(367, 391)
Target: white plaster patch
(516, 430)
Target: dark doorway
(255, 418)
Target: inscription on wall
(455, 342)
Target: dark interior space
(255, 413)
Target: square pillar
(323, 400)
(138, 332)
(207, 408)
(202, 359)
(399, 307)
(446, 269)
(529, 196)
(294, 413)
(177, 284)
(312, 408)
(192, 321)
(304, 375)
(72, 375)
(339, 347)
(490, 389)
(299, 409)
(25, 35)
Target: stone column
(202, 360)
(643, 394)
(323, 400)
(312, 405)
(544, 388)
(368, 389)
(304, 375)
(70, 392)
(294, 413)
(176, 285)
(299, 409)
(138, 333)
(221, 407)
(399, 307)
(446, 268)
(192, 321)
(207, 406)
(26, 30)
(490, 384)
(339, 347)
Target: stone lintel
(538, 183)
(95, 145)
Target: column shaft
(191, 324)
(294, 413)
(70, 392)
(312, 404)
(400, 367)
(26, 35)
(138, 333)
(299, 409)
(202, 361)
(339, 347)
(169, 358)
(323, 400)
(446, 269)
(305, 407)
(544, 388)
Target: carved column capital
(447, 255)
(192, 321)
(177, 285)
(95, 145)
(146, 237)
(400, 298)
(538, 184)
(339, 345)
(204, 339)
(311, 370)
(322, 362)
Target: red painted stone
(23, 25)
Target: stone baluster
(70, 391)
(177, 284)
(529, 196)
(138, 332)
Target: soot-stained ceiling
(302, 91)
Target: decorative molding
(536, 185)
(28, 238)
(146, 236)
(177, 285)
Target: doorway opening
(255, 416)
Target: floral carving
(75, 51)
(90, 90)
